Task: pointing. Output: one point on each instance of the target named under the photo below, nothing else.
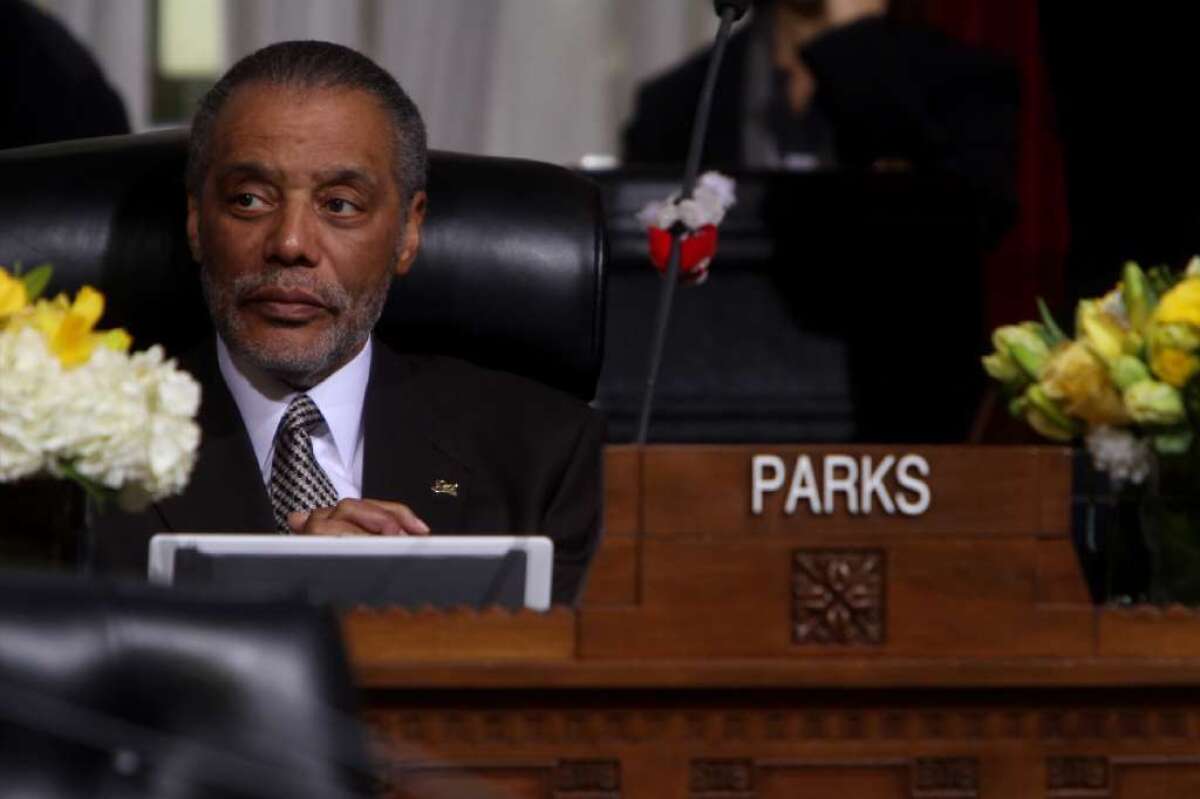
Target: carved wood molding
(727, 779)
(569, 779)
(467, 728)
(838, 597)
(1072, 776)
(945, 778)
(593, 779)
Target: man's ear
(410, 238)
(193, 228)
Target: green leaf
(1053, 331)
(1162, 279)
(1175, 442)
(36, 280)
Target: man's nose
(292, 240)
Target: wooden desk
(724, 654)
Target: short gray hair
(314, 65)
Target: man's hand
(358, 517)
(845, 12)
(796, 25)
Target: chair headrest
(112, 690)
(510, 274)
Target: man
(306, 177)
(823, 83)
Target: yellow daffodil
(1137, 296)
(116, 339)
(1128, 370)
(1020, 354)
(1077, 381)
(1181, 304)
(1043, 415)
(13, 296)
(1103, 332)
(1173, 334)
(1173, 366)
(69, 327)
(1153, 403)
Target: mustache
(331, 295)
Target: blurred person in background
(839, 83)
(52, 88)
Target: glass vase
(1170, 522)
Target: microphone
(729, 11)
(739, 7)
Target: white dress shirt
(337, 444)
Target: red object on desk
(696, 250)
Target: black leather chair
(511, 273)
(132, 691)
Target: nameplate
(857, 484)
(836, 489)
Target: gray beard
(299, 367)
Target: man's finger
(380, 518)
(332, 527)
(412, 524)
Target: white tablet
(438, 571)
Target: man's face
(300, 226)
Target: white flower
(123, 421)
(1120, 454)
(29, 377)
(713, 196)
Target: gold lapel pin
(444, 487)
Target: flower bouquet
(75, 403)
(697, 217)
(1126, 384)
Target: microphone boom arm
(730, 11)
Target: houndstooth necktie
(297, 480)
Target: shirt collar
(262, 400)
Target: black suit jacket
(526, 459)
(888, 91)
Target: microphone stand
(730, 11)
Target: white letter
(804, 486)
(760, 484)
(847, 485)
(909, 507)
(872, 484)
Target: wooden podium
(801, 622)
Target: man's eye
(340, 207)
(248, 201)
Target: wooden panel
(622, 484)
(1059, 578)
(865, 780)
(1053, 496)
(737, 599)
(497, 781)
(997, 491)
(1149, 631)
(377, 638)
(612, 578)
(1156, 778)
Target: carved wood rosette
(838, 597)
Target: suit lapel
(226, 492)
(410, 446)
